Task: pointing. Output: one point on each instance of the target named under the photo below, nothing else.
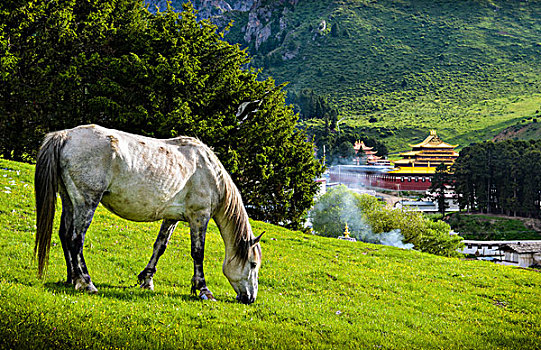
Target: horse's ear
(257, 239)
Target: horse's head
(243, 273)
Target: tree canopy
(500, 177)
(338, 143)
(114, 63)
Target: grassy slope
(314, 292)
(466, 68)
(494, 228)
(521, 131)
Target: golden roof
(403, 161)
(360, 145)
(413, 170)
(410, 153)
(433, 141)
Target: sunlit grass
(314, 292)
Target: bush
(333, 210)
(364, 213)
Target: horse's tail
(46, 180)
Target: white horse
(142, 179)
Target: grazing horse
(142, 179)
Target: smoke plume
(338, 207)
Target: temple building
(413, 172)
(424, 157)
(368, 153)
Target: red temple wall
(384, 181)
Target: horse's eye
(253, 265)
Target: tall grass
(314, 292)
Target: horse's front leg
(198, 230)
(146, 276)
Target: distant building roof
(433, 141)
(476, 242)
(359, 145)
(413, 170)
(523, 247)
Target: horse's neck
(231, 225)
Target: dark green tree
(313, 106)
(335, 30)
(501, 177)
(462, 180)
(114, 63)
(439, 187)
(346, 151)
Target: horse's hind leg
(66, 222)
(77, 213)
(145, 277)
(75, 241)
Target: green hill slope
(314, 292)
(521, 131)
(466, 68)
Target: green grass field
(314, 292)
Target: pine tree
(164, 74)
(438, 187)
(462, 180)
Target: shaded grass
(491, 228)
(314, 292)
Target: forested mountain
(394, 69)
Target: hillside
(314, 292)
(521, 131)
(468, 69)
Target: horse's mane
(236, 214)
(231, 202)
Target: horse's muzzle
(245, 299)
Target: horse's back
(140, 178)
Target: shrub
(365, 213)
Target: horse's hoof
(86, 287)
(149, 285)
(206, 295)
(91, 289)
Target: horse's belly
(142, 206)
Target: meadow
(314, 292)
